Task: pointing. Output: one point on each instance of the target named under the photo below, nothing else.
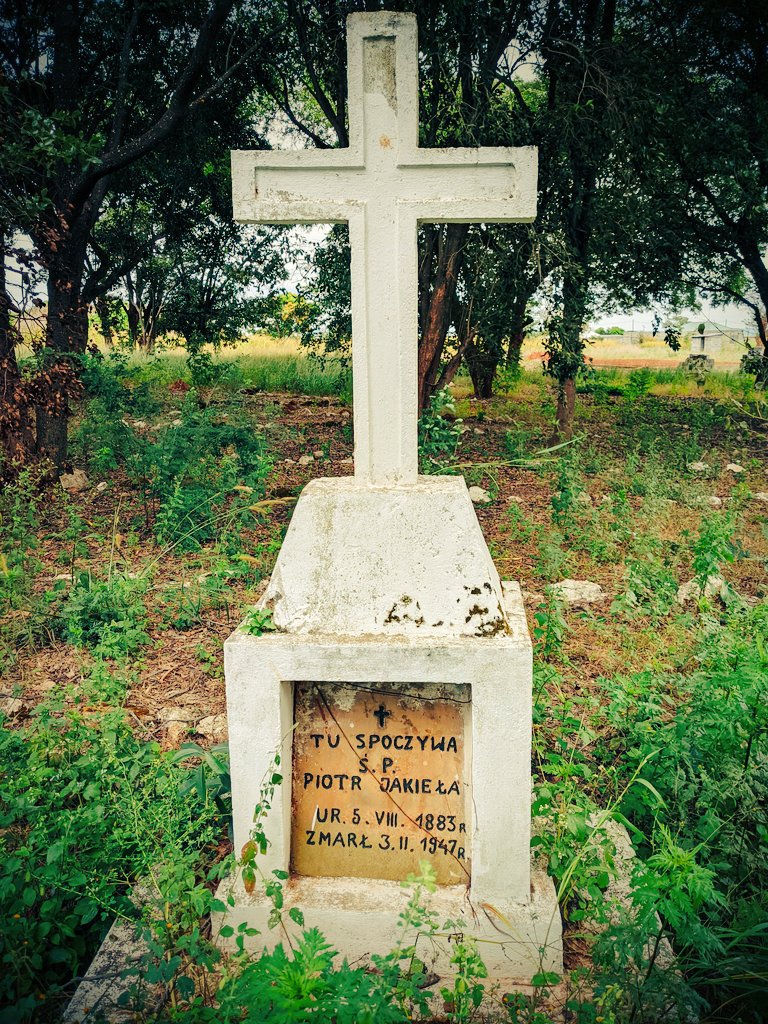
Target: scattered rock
(75, 481)
(578, 593)
(306, 460)
(101, 486)
(479, 495)
(10, 706)
(477, 430)
(176, 423)
(319, 455)
(289, 462)
(347, 462)
(178, 723)
(691, 591)
(734, 467)
(711, 500)
(699, 467)
(513, 499)
(761, 496)
(213, 727)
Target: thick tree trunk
(438, 315)
(66, 333)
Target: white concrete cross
(384, 185)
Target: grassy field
(650, 708)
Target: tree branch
(181, 101)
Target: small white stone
(477, 430)
(691, 591)
(213, 727)
(319, 455)
(306, 460)
(75, 481)
(714, 501)
(11, 705)
(289, 462)
(578, 593)
(761, 496)
(101, 486)
(698, 467)
(479, 495)
(514, 499)
(734, 467)
(347, 462)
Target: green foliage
(650, 587)
(303, 985)
(194, 468)
(85, 810)
(569, 486)
(753, 361)
(703, 738)
(550, 629)
(714, 544)
(638, 384)
(258, 621)
(108, 615)
(439, 435)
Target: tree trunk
(133, 314)
(103, 312)
(519, 322)
(438, 316)
(66, 333)
(482, 362)
(17, 440)
(566, 406)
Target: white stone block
(390, 561)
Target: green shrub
(193, 469)
(439, 435)
(106, 614)
(85, 810)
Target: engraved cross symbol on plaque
(382, 714)
(384, 186)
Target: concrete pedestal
(393, 589)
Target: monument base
(514, 940)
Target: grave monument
(397, 685)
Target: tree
(168, 243)
(112, 82)
(708, 143)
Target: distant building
(710, 343)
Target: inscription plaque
(381, 781)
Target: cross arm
(459, 186)
(256, 200)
